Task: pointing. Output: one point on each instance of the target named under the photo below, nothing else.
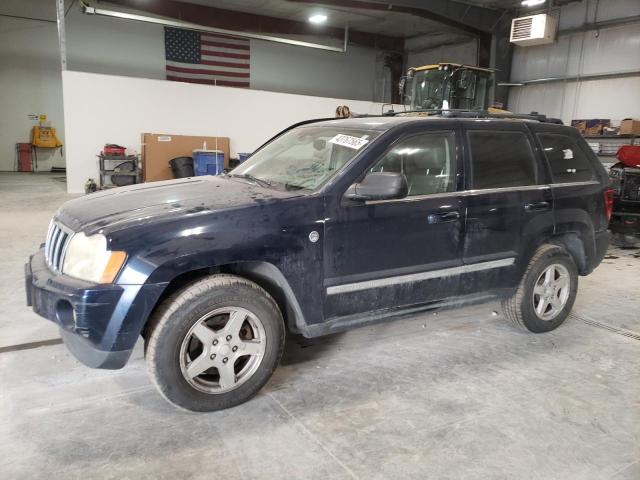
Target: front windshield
(305, 157)
(462, 88)
(429, 86)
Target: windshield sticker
(349, 141)
(568, 154)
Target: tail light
(608, 202)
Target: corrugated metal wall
(591, 52)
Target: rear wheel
(214, 344)
(546, 292)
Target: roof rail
(465, 113)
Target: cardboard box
(581, 125)
(591, 127)
(630, 126)
(158, 149)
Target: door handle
(537, 206)
(443, 217)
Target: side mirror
(379, 186)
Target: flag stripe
(209, 43)
(204, 50)
(206, 76)
(209, 72)
(220, 83)
(219, 53)
(216, 63)
(205, 66)
(216, 36)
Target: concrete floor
(453, 395)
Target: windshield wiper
(290, 186)
(248, 176)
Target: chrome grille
(58, 237)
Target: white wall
(128, 107)
(592, 52)
(30, 77)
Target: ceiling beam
(465, 15)
(250, 22)
(423, 12)
(469, 19)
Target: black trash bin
(182, 167)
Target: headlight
(87, 258)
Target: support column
(62, 38)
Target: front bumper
(99, 324)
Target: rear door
(576, 186)
(577, 183)
(509, 205)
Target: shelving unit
(608, 145)
(109, 167)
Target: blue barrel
(208, 162)
(243, 156)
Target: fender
(269, 277)
(264, 273)
(575, 230)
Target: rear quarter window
(567, 160)
(501, 159)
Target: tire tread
(511, 306)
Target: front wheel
(214, 344)
(546, 292)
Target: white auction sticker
(349, 141)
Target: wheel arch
(574, 244)
(264, 274)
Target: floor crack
(313, 437)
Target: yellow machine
(448, 86)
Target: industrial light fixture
(318, 18)
(532, 3)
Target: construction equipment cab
(447, 86)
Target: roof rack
(465, 113)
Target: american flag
(197, 57)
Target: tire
(536, 288)
(215, 343)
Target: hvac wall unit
(533, 30)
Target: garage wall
(458, 50)
(601, 51)
(30, 77)
(29, 83)
(128, 107)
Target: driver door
(402, 252)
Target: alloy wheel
(222, 350)
(551, 291)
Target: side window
(567, 160)
(427, 160)
(501, 159)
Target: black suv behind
(328, 226)
(625, 220)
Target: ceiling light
(532, 3)
(318, 18)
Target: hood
(118, 208)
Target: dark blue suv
(329, 226)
